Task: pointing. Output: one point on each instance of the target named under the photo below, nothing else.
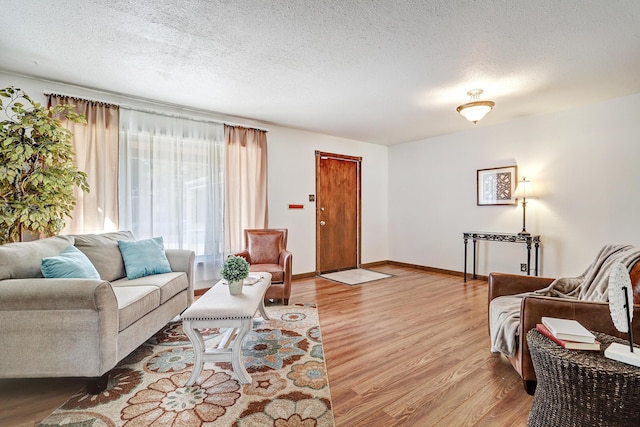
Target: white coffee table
(219, 309)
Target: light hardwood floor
(411, 350)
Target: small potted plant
(234, 270)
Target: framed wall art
(497, 186)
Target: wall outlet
(523, 268)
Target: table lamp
(523, 191)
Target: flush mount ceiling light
(475, 110)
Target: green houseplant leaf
(37, 169)
(235, 268)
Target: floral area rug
(284, 357)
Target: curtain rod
(151, 111)
(83, 98)
(185, 117)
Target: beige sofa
(82, 327)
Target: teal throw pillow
(71, 263)
(144, 257)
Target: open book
(251, 279)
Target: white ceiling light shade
(475, 110)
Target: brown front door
(337, 212)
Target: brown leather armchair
(593, 315)
(266, 251)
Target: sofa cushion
(144, 257)
(265, 248)
(104, 253)
(71, 263)
(21, 260)
(169, 284)
(276, 271)
(134, 302)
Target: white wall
(291, 156)
(292, 180)
(584, 163)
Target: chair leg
(97, 385)
(529, 386)
(285, 301)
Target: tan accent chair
(266, 251)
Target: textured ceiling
(381, 71)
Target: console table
(582, 388)
(501, 237)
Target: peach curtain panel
(245, 196)
(96, 153)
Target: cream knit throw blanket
(592, 285)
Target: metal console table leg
(529, 240)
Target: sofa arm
(183, 260)
(285, 260)
(244, 254)
(57, 294)
(57, 327)
(501, 284)
(592, 315)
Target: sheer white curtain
(171, 184)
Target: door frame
(358, 161)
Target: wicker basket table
(582, 388)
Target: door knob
(322, 223)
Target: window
(171, 184)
